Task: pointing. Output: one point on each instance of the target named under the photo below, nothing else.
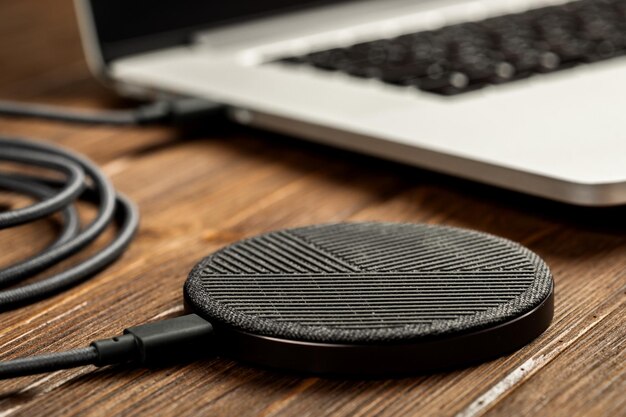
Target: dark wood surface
(197, 194)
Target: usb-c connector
(157, 343)
(160, 343)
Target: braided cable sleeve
(47, 363)
(83, 181)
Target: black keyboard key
(559, 31)
(603, 31)
(447, 83)
(332, 59)
(364, 71)
(399, 54)
(401, 75)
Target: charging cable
(153, 344)
(82, 180)
(180, 111)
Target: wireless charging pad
(372, 298)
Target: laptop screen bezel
(109, 18)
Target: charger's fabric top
(368, 283)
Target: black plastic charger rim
(372, 298)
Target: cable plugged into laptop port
(180, 112)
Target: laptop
(527, 95)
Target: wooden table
(198, 194)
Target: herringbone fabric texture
(368, 282)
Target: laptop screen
(125, 27)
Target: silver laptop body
(559, 135)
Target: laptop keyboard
(468, 56)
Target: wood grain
(197, 194)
